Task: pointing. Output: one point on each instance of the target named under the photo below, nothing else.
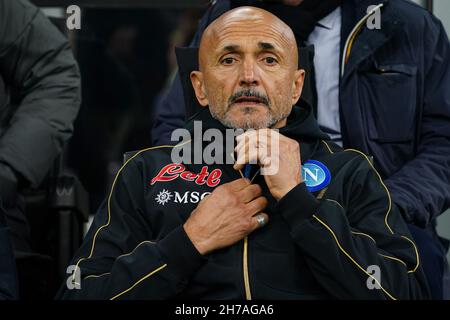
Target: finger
(205, 198)
(260, 142)
(245, 158)
(258, 222)
(250, 192)
(245, 141)
(245, 145)
(259, 156)
(238, 184)
(264, 160)
(249, 134)
(257, 147)
(256, 205)
(264, 136)
(246, 153)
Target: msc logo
(315, 175)
(163, 197)
(188, 197)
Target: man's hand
(272, 151)
(226, 216)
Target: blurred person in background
(39, 101)
(124, 66)
(8, 276)
(382, 91)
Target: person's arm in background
(8, 276)
(170, 111)
(422, 187)
(35, 59)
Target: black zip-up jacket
(316, 245)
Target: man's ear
(297, 85)
(199, 88)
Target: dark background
(126, 58)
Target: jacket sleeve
(36, 60)
(123, 258)
(421, 187)
(357, 246)
(170, 111)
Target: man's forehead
(245, 26)
(233, 46)
(239, 37)
(245, 43)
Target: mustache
(248, 93)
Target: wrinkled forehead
(245, 33)
(247, 28)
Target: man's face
(248, 64)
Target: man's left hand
(278, 156)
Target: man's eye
(270, 60)
(228, 61)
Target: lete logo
(173, 171)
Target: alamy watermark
(374, 20)
(214, 146)
(74, 279)
(73, 21)
(374, 281)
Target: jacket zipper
(248, 294)
(352, 36)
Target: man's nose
(249, 74)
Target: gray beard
(249, 123)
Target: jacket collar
(367, 41)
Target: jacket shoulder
(338, 158)
(148, 154)
(415, 16)
(15, 16)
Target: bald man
(319, 226)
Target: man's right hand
(226, 216)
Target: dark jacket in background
(39, 100)
(8, 276)
(394, 102)
(37, 65)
